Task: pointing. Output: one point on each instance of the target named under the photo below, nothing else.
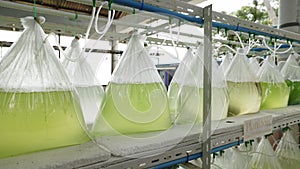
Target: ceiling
(62, 16)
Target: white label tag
(258, 127)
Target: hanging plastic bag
(244, 92)
(275, 92)
(226, 62)
(136, 99)
(198, 163)
(254, 66)
(39, 108)
(238, 159)
(91, 93)
(264, 157)
(186, 90)
(291, 74)
(288, 151)
(280, 65)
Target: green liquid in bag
(288, 163)
(294, 92)
(274, 95)
(245, 97)
(38, 121)
(133, 108)
(186, 104)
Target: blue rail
(197, 155)
(166, 12)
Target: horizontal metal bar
(217, 149)
(234, 25)
(171, 163)
(162, 11)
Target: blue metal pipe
(171, 163)
(217, 149)
(151, 8)
(155, 9)
(262, 49)
(197, 155)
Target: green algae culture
(244, 91)
(186, 103)
(274, 95)
(185, 92)
(136, 98)
(291, 74)
(294, 97)
(39, 108)
(38, 121)
(245, 97)
(133, 108)
(275, 92)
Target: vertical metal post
(59, 44)
(114, 44)
(207, 79)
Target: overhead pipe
(151, 8)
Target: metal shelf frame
(228, 134)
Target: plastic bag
(39, 108)
(91, 93)
(275, 92)
(244, 92)
(226, 62)
(238, 159)
(264, 157)
(136, 98)
(186, 90)
(280, 65)
(291, 74)
(198, 163)
(254, 66)
(288, 151)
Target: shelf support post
(207, 79)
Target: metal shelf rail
(87, 156)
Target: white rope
(242, 44)
(230, 48)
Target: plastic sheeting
(91, 93)
(244, 92)
(136, 99)
(39, 108)
(275, 92)
(186, 90)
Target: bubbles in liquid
(90, 100)
(186, 104)
(294, 97)
(133, 108)
(274, 95)
(39, 121)
(244, 97)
